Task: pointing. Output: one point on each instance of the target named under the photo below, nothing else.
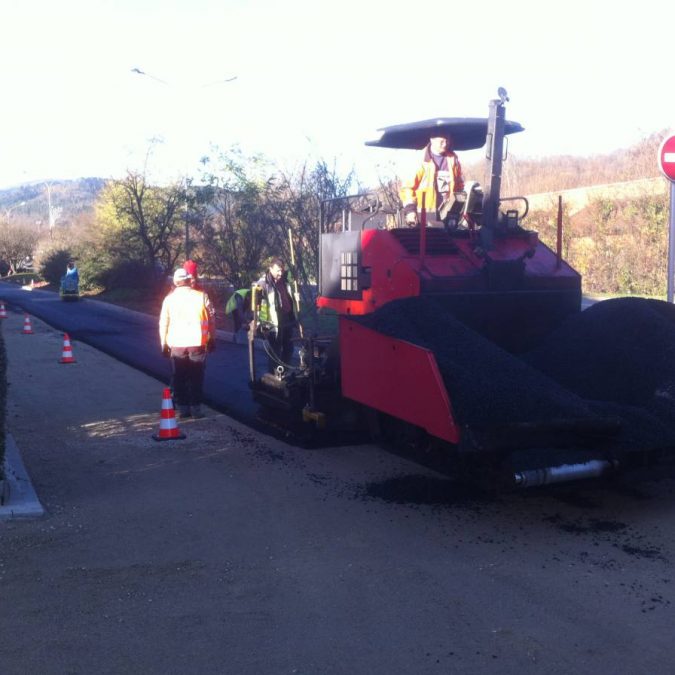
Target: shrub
(93, 267)
(131, 274)
(53, 265)
(618, 246)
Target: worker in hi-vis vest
(187, 331)
(433, 185)
(277, 312)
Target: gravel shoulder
(231, 551)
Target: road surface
(232, 552)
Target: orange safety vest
(422, 187)
(185, 320)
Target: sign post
(666, 158)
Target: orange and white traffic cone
(3, 311)
(168, 427)
(67, 354)
(27, 327)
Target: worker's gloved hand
(166, 351)
(210, 345)
(411, 218)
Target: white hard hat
(180, 276)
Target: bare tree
(253, 207)
(294, 203)
(235, 236)
(18, 241)
(150, 217)
(234, 227)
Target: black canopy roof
(468, 133)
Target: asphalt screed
(613, 362)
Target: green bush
(618, 246)
(53, 265)
(130, 274)
(93, 267)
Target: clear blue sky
(316, 79)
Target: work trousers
(280, 339)
(188, 365)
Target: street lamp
(8, 212)
(53, 212)
(138, 71)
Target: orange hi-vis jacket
(185, 319)
(422, 188)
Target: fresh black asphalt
(132, 338)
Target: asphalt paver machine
(435, 326)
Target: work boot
(184, 411)
(197, 411)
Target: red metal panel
(398, 274)
(397, 378)
(391, 275)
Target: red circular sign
(667, 158)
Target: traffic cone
(3, 311)
(27, 328)
(67, 354)
(168, 428)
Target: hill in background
(523, 176)
(73, 199)
(70, 199)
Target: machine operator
(428, 195)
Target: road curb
(23, 501)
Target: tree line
(239, 212)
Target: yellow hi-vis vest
(422, 187)
(269, 312)
(185, 319)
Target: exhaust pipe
(566, 472)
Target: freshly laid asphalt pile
(620, 355)
(620, 350)
(616, 360)
(488, 387)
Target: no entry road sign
(666, 158)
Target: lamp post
(51, 210)
(138, 71)
(187, 222)
(8, 212)
(54, 212)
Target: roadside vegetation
(131, 233)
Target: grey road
(232, 552)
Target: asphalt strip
(22, 501)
